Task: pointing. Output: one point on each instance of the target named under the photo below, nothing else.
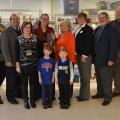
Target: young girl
(64, 77)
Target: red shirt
(43, 37)
(68, 41)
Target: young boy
(64, 77)
(46, 67)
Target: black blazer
(106, 46)
(85, 41)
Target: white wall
(44, 5)
(4, 4)
(48, 6)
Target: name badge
(81, 31)
(28, 52)
(66, 71)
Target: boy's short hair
(63, 49)
(47, 46)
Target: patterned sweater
(26, 50)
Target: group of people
(36, 55)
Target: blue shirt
(46, 67)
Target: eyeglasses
(45, 18)
(27, 27)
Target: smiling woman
(66, 39)
(26, 48)
(45, 34)
(27, 28)
(84, 49)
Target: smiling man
(8, 43)
(106, 41)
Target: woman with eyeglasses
(26, 62)
(45, 34)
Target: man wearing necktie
(98, 33)
(8, 48)
(105, 51)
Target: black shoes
(19, 96)
(53, 98)
(47, 106)
(115, 94)
(105, 103)
(33, 105)
(1, 102)
(62, 106)
(79, 99)
(26, 105)
(13, 101)
(97, 96)
(66, 106)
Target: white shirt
(78, 29)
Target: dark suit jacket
(8, 43)
(106, 46)
(85, 41)
(1, 56)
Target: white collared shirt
(77, 30)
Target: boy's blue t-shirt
(46, 67)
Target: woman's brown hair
(26, 23)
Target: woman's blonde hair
(67, 22)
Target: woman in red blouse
(66, 38)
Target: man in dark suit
(105, 51)
(8, 43)
(84, 49)
(116, 24)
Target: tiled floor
(89, 110)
